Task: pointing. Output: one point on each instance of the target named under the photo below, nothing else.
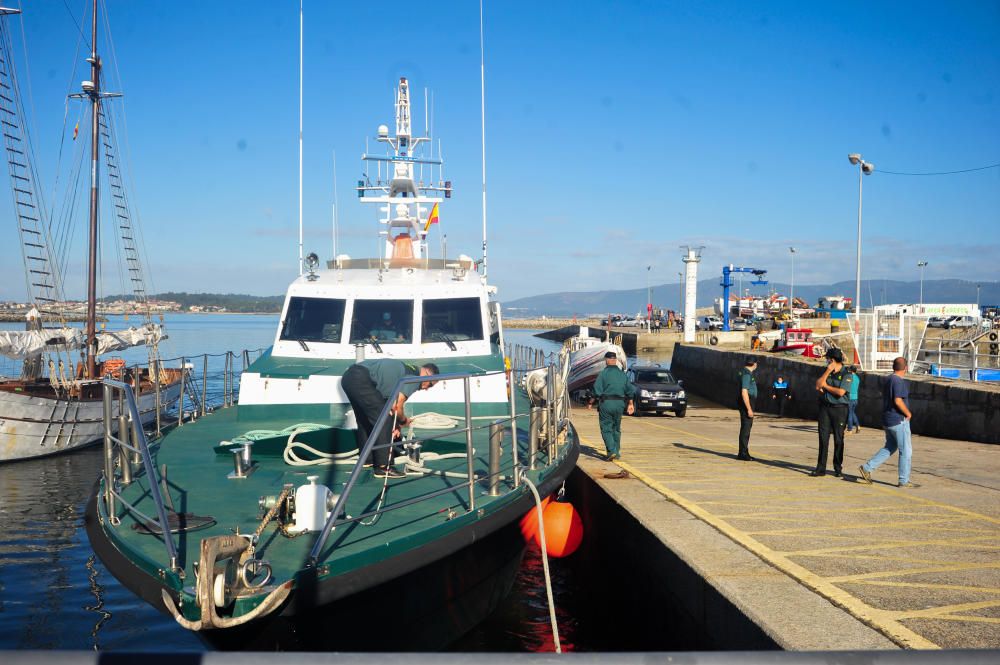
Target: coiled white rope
(545, 561)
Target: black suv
(657, 390)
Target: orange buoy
(563, 529)
(529, 523)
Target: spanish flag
(431, 218)
(76, 130)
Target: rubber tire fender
(714, 340)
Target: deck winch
(307, 510)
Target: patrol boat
(261, 519)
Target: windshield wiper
(447, 340)
(302, 343)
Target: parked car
(614, 320)
(738, 324)
(629, 323)
(937, 321)
(657, 391)
(708, 323)
(961, 322)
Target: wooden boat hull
(36, 426)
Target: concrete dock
(814, 563)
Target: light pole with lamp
(921, 265)
(864, 168)
(977, 295)
(791, 298)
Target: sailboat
(279, 522)
(55, 404)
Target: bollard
(496, 440)
(534, 426)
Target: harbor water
(54, 594)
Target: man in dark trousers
(369, 386)
(744, 402)
(834, 388)
(614, 391)
(896, 416)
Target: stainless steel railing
(494, 471)
(122, 451)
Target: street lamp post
(921, 265)
(977, 295)
(791, 298)
(864, 168)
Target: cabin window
(382, 321)
(452, 320)
(314, 320)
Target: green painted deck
(198, 484)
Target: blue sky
(616, 131)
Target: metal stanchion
(496, 440)
(468, 444)
(180, 402)
(534, 426)
(204, 382)
(109, 462)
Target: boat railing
(126, 451)
(545, 423)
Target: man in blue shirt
(369, 385)
(781, 394)
(896, 416)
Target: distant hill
(631, 301)
(233, 302)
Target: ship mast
(93, 92)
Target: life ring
(714, 340)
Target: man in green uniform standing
(834, 388)
(744, 401)
(614, 391)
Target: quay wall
(635, 578)
(941, 408)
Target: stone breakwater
(941, 408)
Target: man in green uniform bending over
(614, 391)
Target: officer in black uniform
(834, 387)
(744, 401)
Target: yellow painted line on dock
(969, 543)
(877, 619)
(947, 568)
(949, 610)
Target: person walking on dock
(615, 393)
(369, 385)
(896, 416)
(834, 387)
(744, 402)
(853, 424)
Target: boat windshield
(452, 320)
(382, 321)
(314, 320)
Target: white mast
(482, 104)
(300, 134)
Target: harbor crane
(727, 283)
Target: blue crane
(727, 283)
